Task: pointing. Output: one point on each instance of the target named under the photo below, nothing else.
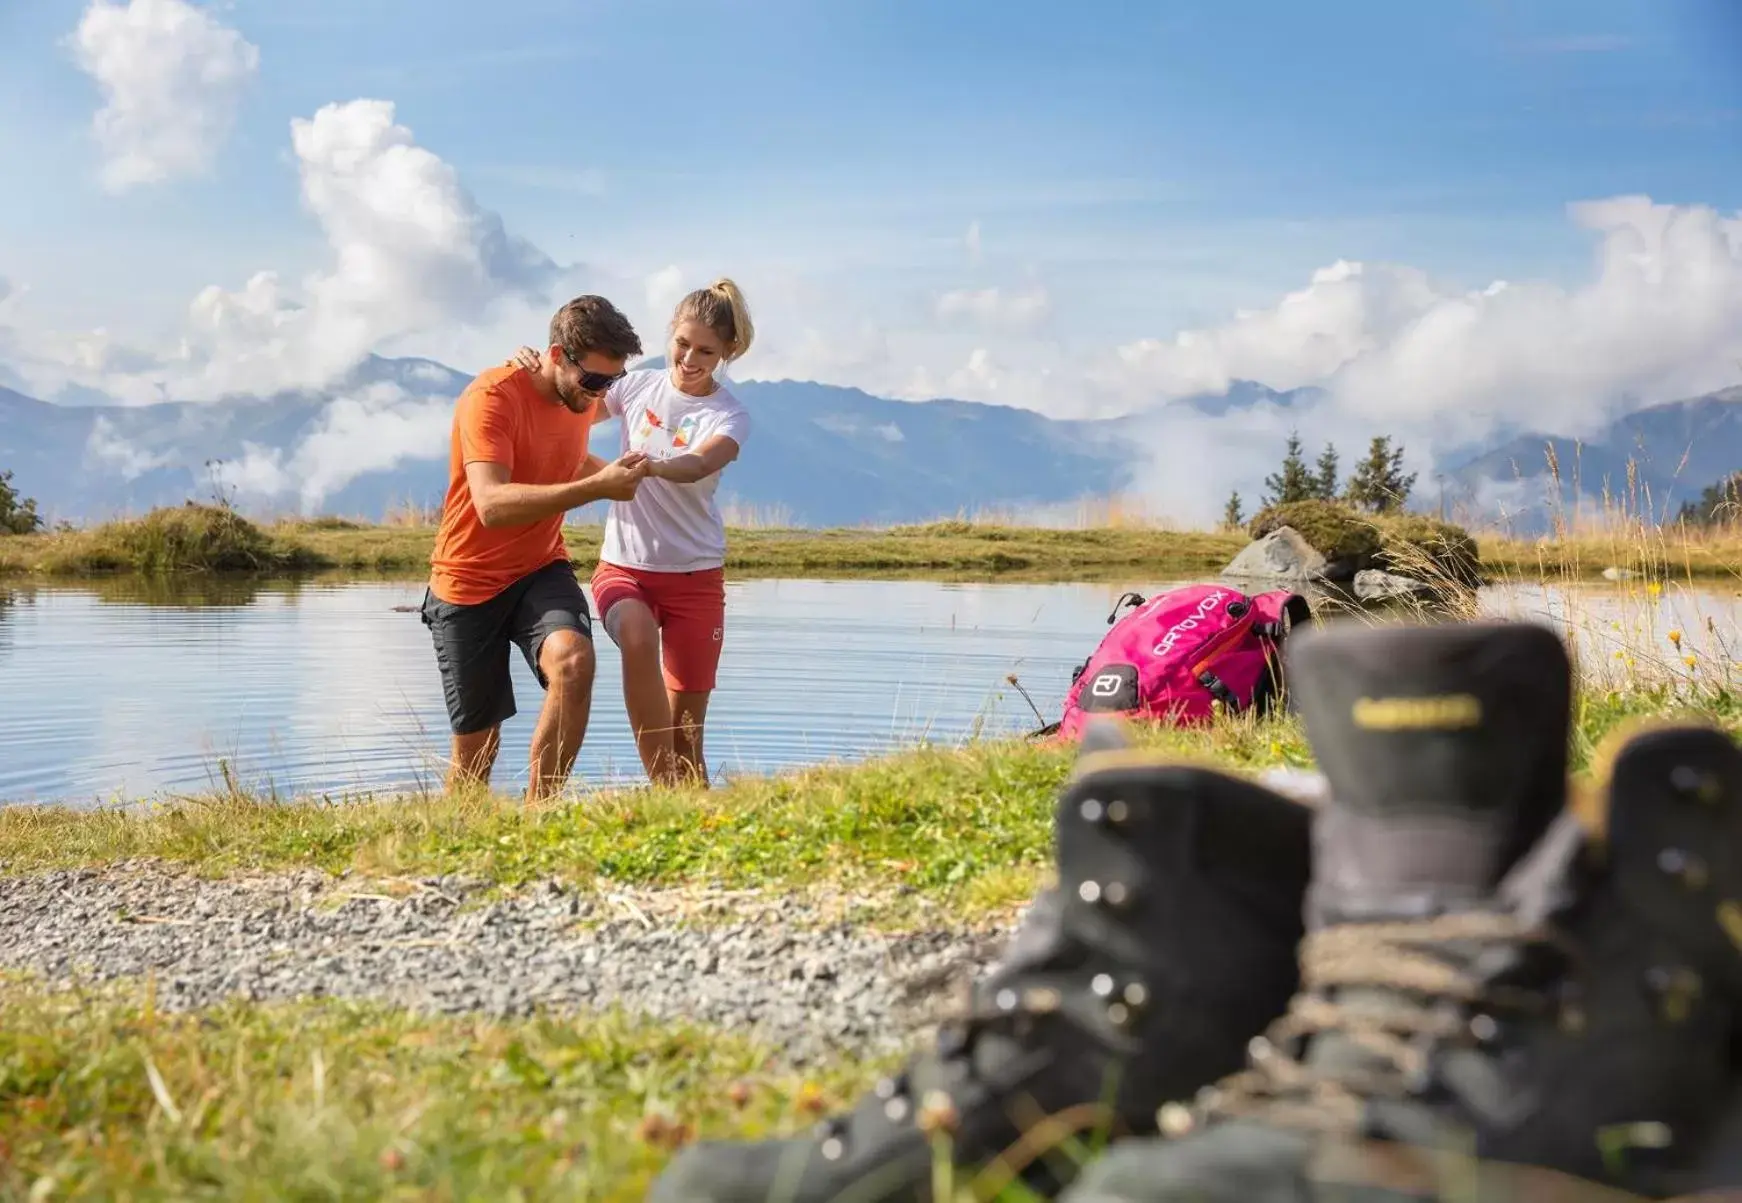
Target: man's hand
(527, 358)
(501, 502)
(618, 480)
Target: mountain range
(822, 455)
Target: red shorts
(690, 608)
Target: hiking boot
(1499, 1001)
(1721, 1167)
(1167, 943)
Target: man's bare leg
(566, 659)
(474, 754)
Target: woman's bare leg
(689, 711)
(632, 627)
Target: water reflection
(124, 688)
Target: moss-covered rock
(1415, 545)
(1351, 541)
(1348, 540)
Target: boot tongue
(1445, 752)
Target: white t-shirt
(669, 527)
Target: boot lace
(1419, 989)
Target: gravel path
(748, 963)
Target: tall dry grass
(1623, 533)
(749, 515)
(1667, 631)
(1117, 511)
(405, 513)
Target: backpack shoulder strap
(1294, 611)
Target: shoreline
(966, 826)
(957, 552)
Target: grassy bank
(206, 540)
(199, 542)
(104, 1097)
(967, 830)
(1671, 553)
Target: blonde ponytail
(721, 307)
(743, 329)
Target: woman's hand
(527, 358)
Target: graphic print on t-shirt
(658, 440)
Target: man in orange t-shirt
(500, 574)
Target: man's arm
(696, 465)
(501, 502)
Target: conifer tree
(1295, 481)
(1327, 474)
(1232, 518)
(18, 515)
(1379, 482)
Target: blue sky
(1130, 176)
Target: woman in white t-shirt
(660, 584)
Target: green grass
(104, 1097)
(965, 829)
(174, 541)
(205, 539)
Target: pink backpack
(1176, 654)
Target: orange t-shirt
(503, 418)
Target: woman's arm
(696, 465)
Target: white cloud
(411, 252)
(412, 257)
(1658, 318)
(171, 79)
(859, 357)
(370, 430)
(977, 377)
(1345, 310)
(45, 363)
(997, 308)
(663, 289)
(108, 448)
(971, 240)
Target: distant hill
(821, 455)
(1673, 451)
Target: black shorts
(471, 642)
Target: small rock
(1282, 555)
(1373, 585)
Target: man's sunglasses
(595, 382)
